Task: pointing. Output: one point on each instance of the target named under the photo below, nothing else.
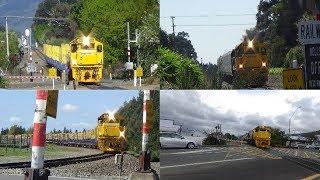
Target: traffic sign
(52, 72)
(139, 71)
(309, 32)
(312, 53)
(52, 103)
(293, 79)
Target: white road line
(192, 152)
(202, 163)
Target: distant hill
(18, 8)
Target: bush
(212, 140)
(179, 72)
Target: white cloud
(69, 108)
(15, 120)
(241, 111)
(82, 125)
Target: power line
(213, 25)
(235, 14)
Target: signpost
(309, 36)
(52, 102)
(293, 79)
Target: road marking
(202, 163)
(316, 176)
(194, 152)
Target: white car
(174, 140)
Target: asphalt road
(243, 162)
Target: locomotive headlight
(122, 133)
(264, 64)
(86, 40)
(240, 66)
(250, 44)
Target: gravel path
(100, 169)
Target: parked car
(175, 140)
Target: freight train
(81, 59)
(247, 62)
(108, 136)
(260, 137)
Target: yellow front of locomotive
(110, 135)
(251, 62)
(86, 60)
(262, 137)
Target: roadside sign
(139, 71)
(312, 53)
(129, 65)
(309, 32)
(52, 103)
(293, 79)
(52, 72)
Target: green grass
(275, 71)
(51, 150)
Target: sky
(210, 42)
(77, 110)
(241, 111)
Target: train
(110, 134)
(247, 62)
(80, 61)
(260, 137)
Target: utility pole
(173, 24)
(7, 38)
(290, 120)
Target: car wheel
(190, 145)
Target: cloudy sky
(241, 111)
(210, 42)
(76, 109)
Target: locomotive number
(293, 78)
(315, 68)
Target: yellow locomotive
(110, 135)
(260, 137)
(82, 59)
(247, 61)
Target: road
(42, 71)
(236, 162)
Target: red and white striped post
(38, 140)
(145, 156)
(145, 127)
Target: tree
(132, 119)
(278, 137)
(178, 43)
(176, 71)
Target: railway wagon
(110, 134)
(260, 137)
(247, 61)
(81, 59)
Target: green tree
(179, 72)
(131, 112)
(278, 137)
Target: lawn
(51, 150)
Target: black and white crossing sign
(309, 32)
(312, 52)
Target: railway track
(58, 162)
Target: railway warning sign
(52, 72)
(52, 103)
(139, 71)
(293, 79)
(312, 53)
(309, 32)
